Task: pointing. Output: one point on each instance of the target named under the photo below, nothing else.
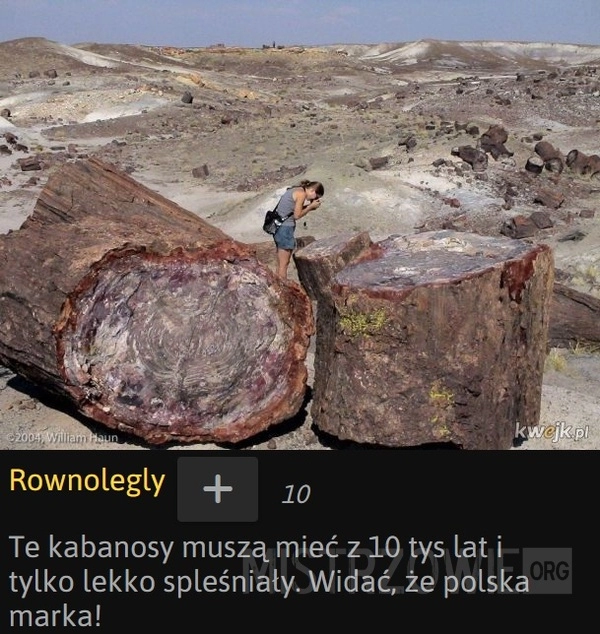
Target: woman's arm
(299, 198)
(299, 209)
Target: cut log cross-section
(146, 317)
(439, 337)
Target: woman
(295, 203)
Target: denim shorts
(284, 237)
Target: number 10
(298, 495)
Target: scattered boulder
(409, 142)
(549, 198)
(30, 163)
(378, 162)
(541, 220)
(452, 202)
(200, 172)
(472, 129)
(576, 235)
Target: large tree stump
(147, 318)
(429, 338)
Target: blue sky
(252, 23)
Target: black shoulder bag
(273, 220)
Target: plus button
(218, 488)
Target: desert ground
(222, 131)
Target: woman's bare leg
(283, 261)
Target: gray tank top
(286, 206)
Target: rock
(518, 227)
(541, 220)
(534, 165)
(30, 163)
(575, 236)
(476, 158)
(378, 162)
(549, 198)
(200, 172)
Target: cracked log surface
(438, 337)
(147, 318)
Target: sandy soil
(261, 120)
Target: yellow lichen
(443, 431)
(442, 399)
(356, 324)
(441, 395)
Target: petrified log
(552, 158)
(266, 253)
(576, 161)
(555, 165)
(494, 135)
(493, 140)
(592, 167)
(430, 338)
(546, 150)
(30, 163)
(317, 267)
(475, 157)
(534, 164)
(574, 317)
(147, 318)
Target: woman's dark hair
(319, 189)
